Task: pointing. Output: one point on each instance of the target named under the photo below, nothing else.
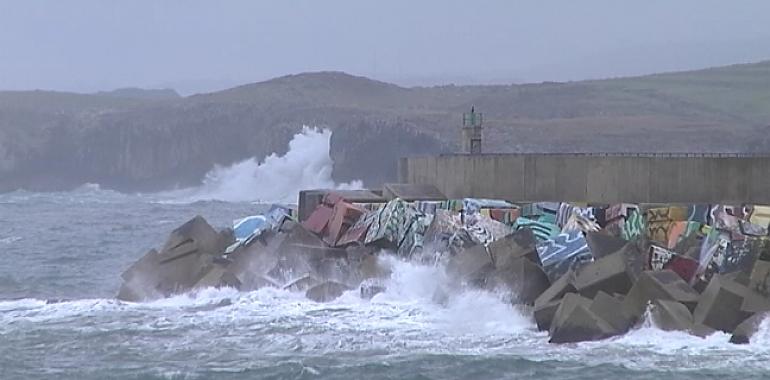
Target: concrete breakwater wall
(601, 178)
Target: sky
(199, 46)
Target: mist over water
(274, 179)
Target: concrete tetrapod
(602, 244)
(327, 291)
(522, 277)
(658, 285)
(187, 256)
(610, 274)
(575, 322)
(675, 316)
(720, 304)
(471, 265)
(544, 314)
(610, 309)
(744, 331)
(521, 243)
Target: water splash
(275, 179)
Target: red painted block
(318, 220)
(343, 216)
(356, 233)
(685, 267)
(331, 199)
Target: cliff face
(149, 146)
(52, 140)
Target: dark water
(61, 260)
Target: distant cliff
(144, 141)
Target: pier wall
(596, 178)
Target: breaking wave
(275, 179)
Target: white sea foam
(274, 179)
(406, 318)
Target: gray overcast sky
(82, 45)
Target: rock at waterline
(187, 257)
(575, 322)
(744, 331)
(326, 292)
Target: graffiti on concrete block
(633, 226)
(658, 257)
(543, 231)
(566, 250)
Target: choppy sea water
(61, 256)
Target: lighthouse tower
(471, 132)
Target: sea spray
(275, 179)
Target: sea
(62, 255)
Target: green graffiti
(633, 227)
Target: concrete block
(471, 265)
(543, 230)
(371, 288)
(701, 330)
(521, 243)
(690, 246)
(185, 258)
(665, 214)
(685, 267)
(214, 278)
(544, 314)
(310, 199)
(391, 223)
(318, 221)
(760, 278)
(523, 278)
(575, 322)
(746, 329)
(754, 302)
(302, 283)
(740, 256)
(196, 235)
(720, 304)
(739, 277)
(658, 285)
(412, 192)
(602, 244)
(344, 215)
(658, 257)
(356, 234)
(140, 280)
(251, 264)
(671, 316)
(610, 274)
(565, 251)
(610, 309)
(567, 303)
(557, 290)
(326, 292)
